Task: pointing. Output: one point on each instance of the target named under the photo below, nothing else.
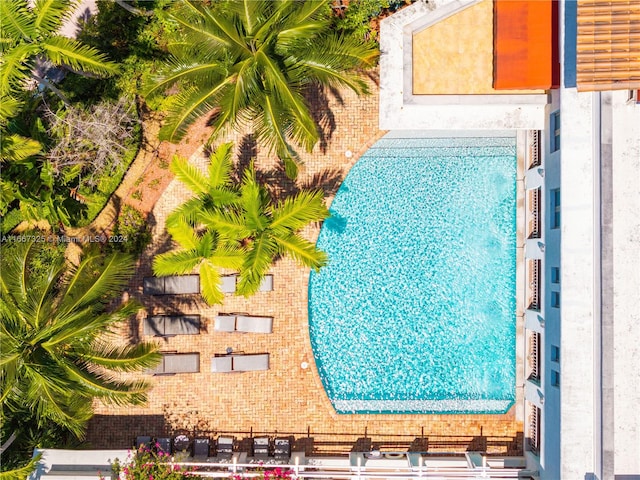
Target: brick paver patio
(286, 398)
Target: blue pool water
(415, 312)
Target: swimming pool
(415, 312)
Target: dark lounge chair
(224, 447)
(200, 447)
(163, 444)
(282, 449)
(261, 447)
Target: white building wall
(550, 452)
(579, 416)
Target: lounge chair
(224, 447)
(282, 449)
(181, 443)
(200, 447)
(170, 325)
(163, 444)
(261, 447)
(240, 362)
(143, 440)
(267, 283)
(228, 283)
(172, 285)
(172, 363)
(243, 323)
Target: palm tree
(29, 31)
(236, 227)
(250, 62)
(58, 344)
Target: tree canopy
(250, 63)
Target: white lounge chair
(228, 283)
(240, 363)
(172, 363)
(252, 324)
(243, 324)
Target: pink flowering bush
(274, 474)
(147, 464)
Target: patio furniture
(200, 447)
(172, 285)
(240, 362)
(181, 443)
(172, 363)
(224, 447)
(143, 440)
(243, 323)
(163, 444)
(282, 449)
(267, 283)
(261, 447)
(171, 325)
(228, 283)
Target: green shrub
(131, 233)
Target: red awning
(525, 44)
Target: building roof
(608, 45)
(525, 45)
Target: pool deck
(287, 397)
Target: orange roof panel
(525, 44)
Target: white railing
(346, 471)
(534, 284)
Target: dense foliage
(58, 343)
(250, 63)
(236, 227)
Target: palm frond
(79, 57)
(108, 387)
(231, 224)
(50, 14)
(16, 148)
(304, 129)
(298, 211)
(187, 212)
(190, 105)
(203, 73)
(192, 19)
(210, 284)
(15, 66)
(302, 251)
(9, 107)
(226, 255)
(256, 265)
(17, 20)
(176, 263)
(190, 175)
(85, 287)
(122, 358)
(183, 233)
(253, 200)
(221, 164)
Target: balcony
(534, 159)
(533, 213)
(533, 429)
(533, 357)
(533, 284)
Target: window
(554, 127)
(555, 275)
(555, 299)
(555, 378)
(555, 353)
(555, 208)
